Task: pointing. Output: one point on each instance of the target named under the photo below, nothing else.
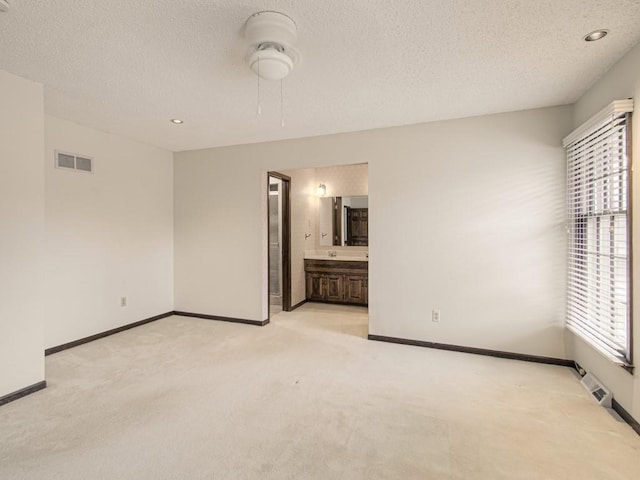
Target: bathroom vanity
(337, 279)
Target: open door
(357, 226)
(279, 212)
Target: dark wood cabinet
(356, 290)
(335, 288)
(357, 226)
(336, 281)
(315, 286)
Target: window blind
(598, 306)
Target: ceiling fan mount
(271, 37)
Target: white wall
(466, 216)
(220, 259)
(22, 220)
(108, 234)
(621, 81)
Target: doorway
(279, 238)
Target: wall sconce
(322, 190)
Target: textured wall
(344, 180)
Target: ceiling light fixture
(595, 35)
(271, 54)
(176, 121)
(271, 37)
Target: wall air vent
(598, 391)
(71, 161)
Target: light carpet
(306, 397)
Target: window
(598, 307)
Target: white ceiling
(127, 66)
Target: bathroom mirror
(344, 221)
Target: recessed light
(595, 35)
(177, 121)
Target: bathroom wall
(466, 216)
(344, 180)
(621, 81)
(22, 226)
(304, 210)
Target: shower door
(275, 244)
(279, 243)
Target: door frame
(286, 242)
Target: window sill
(623, 363)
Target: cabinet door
(358, 226)
(335, 288)
(314, 285)
(356, 290)
(365, 290)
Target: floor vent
(71, 161)
(597, 390)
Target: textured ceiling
(127, 66)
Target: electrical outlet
(123, 301)
(435, 316)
